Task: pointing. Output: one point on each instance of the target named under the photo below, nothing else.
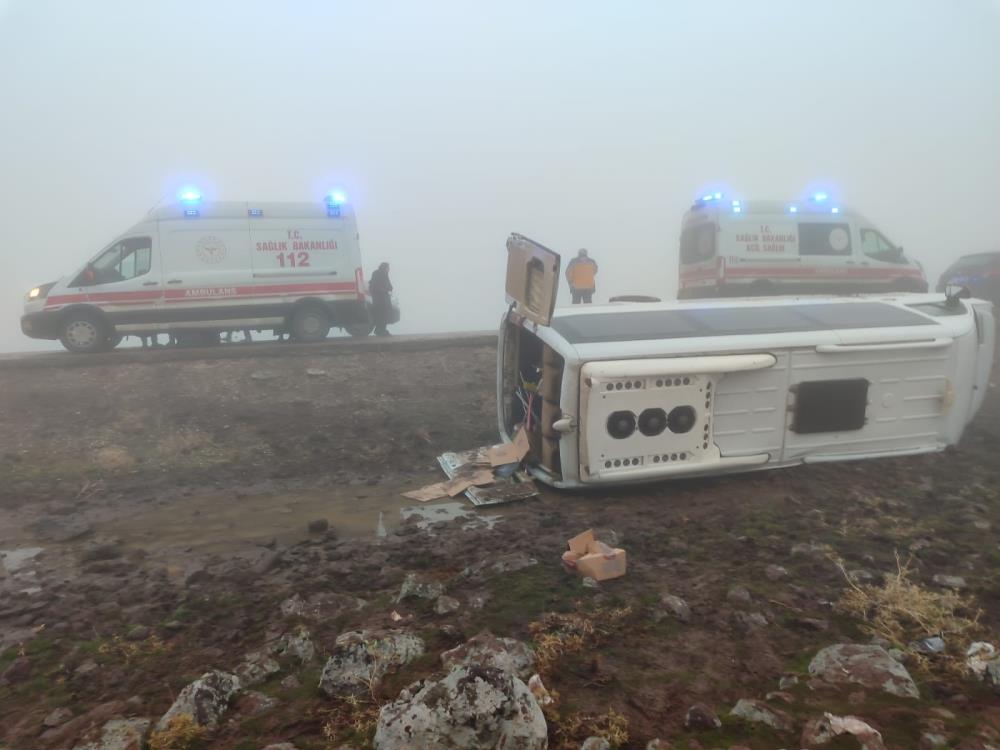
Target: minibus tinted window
(642, 325)
(698, 243)
(824, 239)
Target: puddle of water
(437, 512)
(223, 522)
(15, 559)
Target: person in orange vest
(580, 274)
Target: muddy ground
(154, 514)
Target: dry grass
(571, 731)
(559, 635)
(351, 718)
(128, 650)
(181, 733)
(114, 458)
(182, 443)
(902, 610)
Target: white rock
(363, 657)
(204, 700)
(486, 650)
(473, 708)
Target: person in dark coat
(380, 289)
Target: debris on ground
(821, 731)
(593, 559)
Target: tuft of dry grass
(351, 718)
(902, 610)
(182, 443)
(128, 650)
(114, 458)
(181, 733)
(558, 635)
(575, 728)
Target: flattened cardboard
(479, 478)
(593, 559)
(430, 492)
(512, 452)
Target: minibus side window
(824, 238)
(877, 247)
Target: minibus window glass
(824, 239)
(879, 248)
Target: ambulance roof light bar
(334, 200)
(190, 198)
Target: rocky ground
(215, 554)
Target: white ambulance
(197, 268)
(739, 248)
(611, 394)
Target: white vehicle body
(640, 392)
(763, 247)
(292, 267)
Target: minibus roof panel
(649, 325)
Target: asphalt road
(255, 350)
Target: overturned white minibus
(639, 392)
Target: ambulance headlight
(40, 292)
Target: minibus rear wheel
(84, 332)
(310, 323)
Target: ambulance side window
(698, 243)
(879, 248)
(824, 238)
(122, 261)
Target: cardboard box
(593, 559)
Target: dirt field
(154, 519)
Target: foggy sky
(452, 124)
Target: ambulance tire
(84, 332)
(310, 323)
(360, 330)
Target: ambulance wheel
(84, 333)
(310, 324)
(359, 330)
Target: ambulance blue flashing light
(190, 211)
(255, 212)
(190, 195)
(834, 210)
(336, 198)
(737, 207)
(709, 197)
(793, 209)
(820, 197)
